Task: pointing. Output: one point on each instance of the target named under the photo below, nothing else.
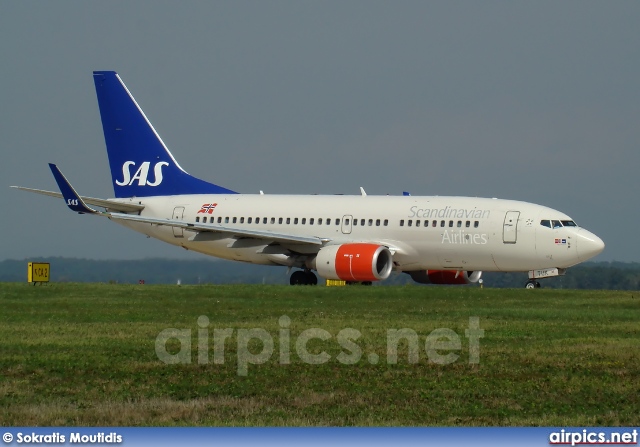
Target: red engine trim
(357, 262)
(447, 277)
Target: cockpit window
(545, 223)
(569, 223)
(556, 224)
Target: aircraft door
(510, 227)
(347, 220)
(178, 213)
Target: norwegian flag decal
(208, 208)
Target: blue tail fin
(141, 164)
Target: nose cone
(588, 245)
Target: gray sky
(534, 101)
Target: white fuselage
(453, 233)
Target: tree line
(590, 275)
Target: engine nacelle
(354, 262)
(445, 276)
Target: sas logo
(141, 174)
(207, 208)
(561, 241)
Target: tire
(298, 278)
(531, 285)
(312, 279)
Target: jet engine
(445, 276)
(354, 262)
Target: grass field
(80, 354)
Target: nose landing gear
(531, 284)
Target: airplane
(354, 238)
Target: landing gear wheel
(303, 278)
(532, 284)
(312, 279)
(298, 278)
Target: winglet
(71, 197)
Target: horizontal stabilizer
(109, 205)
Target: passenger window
(377, 222)
(311, 221)
(450, 224)
(280, 220)
(556, 224)
(467, 224)
(295, 221)
(248, 220)
(417, 223)
(434, 224)
(204, 219)
(346, 221)
(337, 221)
(442, 223)
(219, 219)
(355, 222)
(409, 222)
(235, 220)
(362, 222)
(475, 224)
(242, 220)
(304, 220)
(197, 219)
(386, 222)
(459, 223)
(226, 220)
(319, 220)
(545, 223)
(264, 220)
(370, 222)
(402, 223)
(288, 220)
(273, 220)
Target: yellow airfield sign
(38, 272)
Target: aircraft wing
(230, 231)
(103, 203)
(81, 204)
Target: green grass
(77, 354)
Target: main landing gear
(531, 284)
(303, 278)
